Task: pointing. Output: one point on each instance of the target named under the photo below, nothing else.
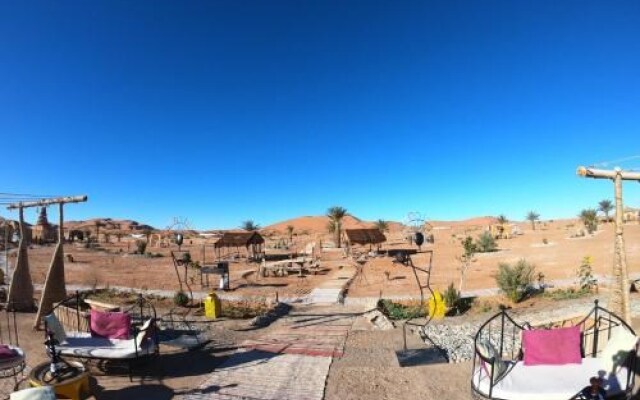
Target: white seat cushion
(548, 382)
(37, 393)
(84, 345)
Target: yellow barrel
(212, 307)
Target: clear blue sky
(220, 111)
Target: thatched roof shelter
(365, 236)
(239, 239)
(252, 241)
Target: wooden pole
(47, 202)
(619, 302)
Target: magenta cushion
(552, 346)
(7, 352)
(111, 325)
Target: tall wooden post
(20, 296)
(54, 289)
(619, 301)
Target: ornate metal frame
(598, 322)
(140, 312)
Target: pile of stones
(457, 341)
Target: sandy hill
(316, 224)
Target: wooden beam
(46, 202)
(595, 173)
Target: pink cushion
(552, 346)
(110, 325)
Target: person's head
(595, 382)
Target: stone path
(290, 363)
(332, 290)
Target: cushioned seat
(12, 362)
(548, 382)
(79, 344)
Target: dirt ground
(558, 259)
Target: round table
(74, 386)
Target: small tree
(605, 206)
(336, 214)
(586, 279)
(382, 225)
(249, 225)
(589, 218)
(141, 246)
(502, 219)
(486, 243)
(469, 250)
(451, 296)
(513, 281)
(533, 216)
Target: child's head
(595, 381)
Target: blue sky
(220, 111)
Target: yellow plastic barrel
(212, 307)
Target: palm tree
(290, 229)
(589, 218)
(605, 206)
(336, 214)
(533, 217)
(249, 225)
(382, 225)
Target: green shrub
(567, 294)
(186, 258)
(514, 281)
(141, 246)
(451, 296)
(486, 243)
(397, 311)
(181, 299)
(585, 274)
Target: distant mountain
(109, 224)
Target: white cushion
(489, 351)
(36, 393)
(548, 382)
(56, 328)
(80, 344)
(618, 347)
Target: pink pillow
(111, 325)
(552, 346)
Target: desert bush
(141, 246)
(586, 279)
(566, 294)
(589, 218)
(243, 309)
(514, 281)
(451, 296)
(181, 299)
(545, 241)
(397, 311)
(486, 243)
